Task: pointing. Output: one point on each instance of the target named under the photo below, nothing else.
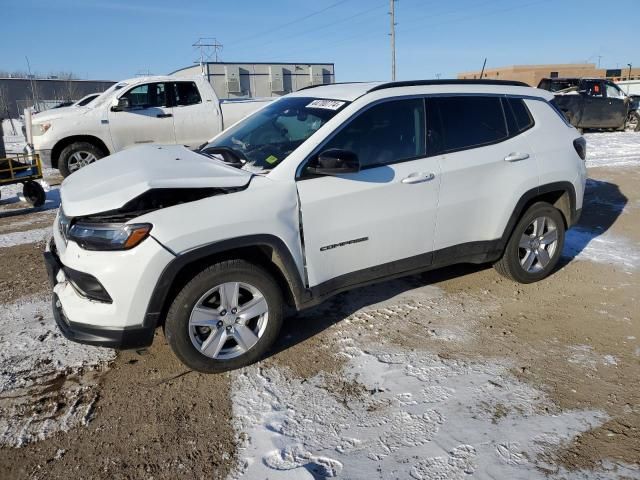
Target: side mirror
(119, 104)
(335, 161)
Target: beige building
(532, 74)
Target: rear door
(381, 220)
(195, 120)
(149, 118)
(486, 164)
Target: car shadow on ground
(301, 326)
(603, 204)
(13, 210)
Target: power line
(323, 27)
(297, 20)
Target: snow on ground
(47, 383)
(399, 412)
(28, 236)
(606, 248)
(613, 149)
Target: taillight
(580, 144)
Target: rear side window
(186, 93)
(386, 133)
(461, 122)
(519, 118)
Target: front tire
(225, 318)
(535, 245)
(77, 155)
(632, 123)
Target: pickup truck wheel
(633, 122)
(225, 318)
(77, 155)
(535, 245)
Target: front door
(149, 118)
(361, 226)
(618, 105)
(595, 111)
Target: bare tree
(4, 102)
(70, 88)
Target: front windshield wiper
(230, 156)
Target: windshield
(263, 140)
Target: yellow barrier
(29, 161)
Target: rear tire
(211, 329)
(77, 155)
(535, 246)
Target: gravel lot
(457, 373)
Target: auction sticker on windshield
(326, 104)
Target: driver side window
(386, 133)
(147, 95)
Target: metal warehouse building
(244, 80)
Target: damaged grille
(156, 199)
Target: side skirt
(472, 252)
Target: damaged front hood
(111, 183)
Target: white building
(242, 80)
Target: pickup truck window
(461, 122)
(186, 93)
(147, 95)
(613, 91)
(593, 88)
(386, 133)
(263, 140)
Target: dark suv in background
(594, 103)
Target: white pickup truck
(161, 109)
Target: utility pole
(629, 78)
(392, 12)
(209, 47)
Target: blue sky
(103, 39)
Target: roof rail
(448, 81)
(326, 84)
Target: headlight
(92, 236)
(40, 128)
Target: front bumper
(45, 158)
(120, 338)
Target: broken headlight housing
(93, 236)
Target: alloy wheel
(228, 320)
(80, 159)
(538, 244)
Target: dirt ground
(574, 336)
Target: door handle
(164, 115)
(419, 178)
(516, 157)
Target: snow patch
(28, 236)
(411, 414)
(47, 383)
(619, 149)
(605, 248)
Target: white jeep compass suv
(323, 190)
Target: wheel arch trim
(282, 260)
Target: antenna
(483, 65)
(392, 12)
